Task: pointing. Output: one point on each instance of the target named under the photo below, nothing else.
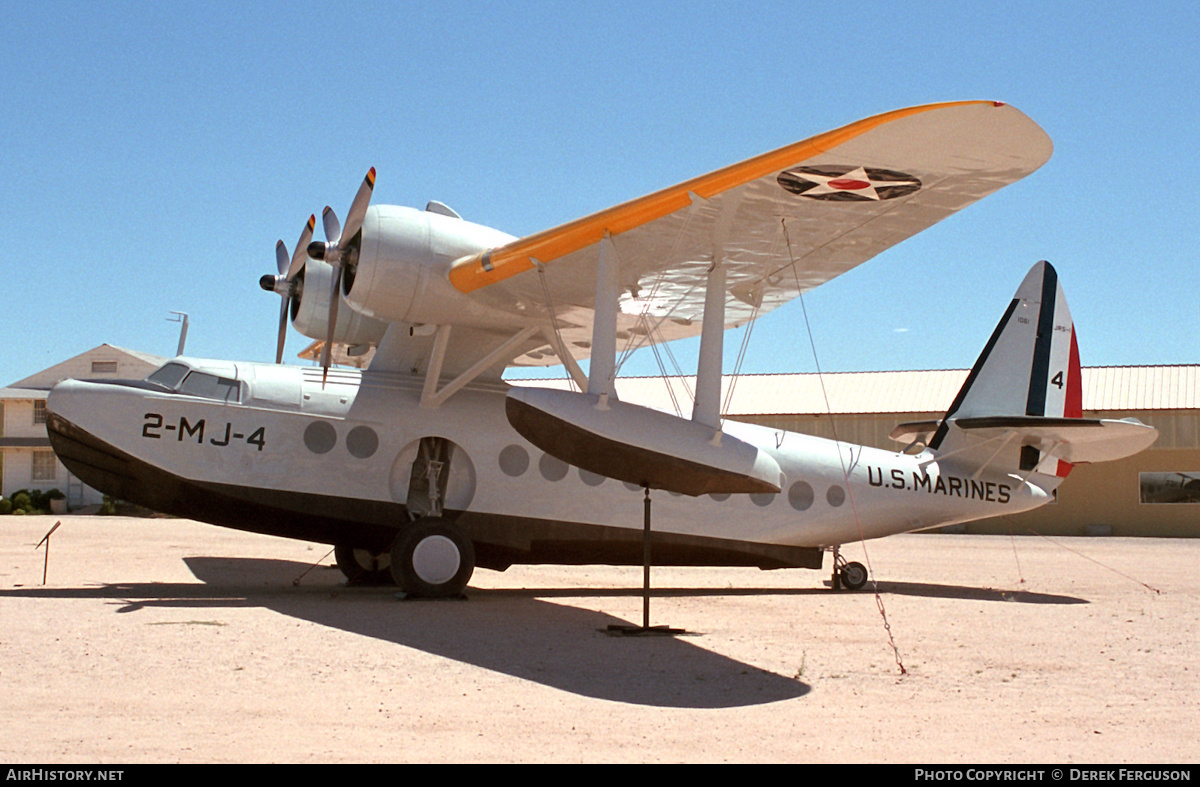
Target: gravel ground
(161, 640)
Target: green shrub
(21, 501)
(6, 506)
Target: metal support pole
(645, 629)
(646, 562)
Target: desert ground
(166, 640)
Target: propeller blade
(281, 258)
(301, 251)
(337, 239)
(358, 208)
(333, 230)
(283, 320)
(334, 296)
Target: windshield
(211, 387)
(169, 375)
(180, 378)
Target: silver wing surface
(781, 223)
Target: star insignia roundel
(848, 184)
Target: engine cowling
(401, 271)
(310, 310)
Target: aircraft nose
(75, 418)
(65, 398)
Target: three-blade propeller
(285, 284)
(340, 250)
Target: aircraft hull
(334, 463)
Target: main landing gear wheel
(853, 576)
(362, 566)
(432, 559)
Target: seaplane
(426, 464)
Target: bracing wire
(741, 357)
(845, 471)
(662, 370)
(1077, 553)
(559, 346)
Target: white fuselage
(290, 441)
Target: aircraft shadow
(510, 631)
(972, 594)
(922, 589)
(555, 645)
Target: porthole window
(590, 478)
(320, 437)
(720, 497)
(552, 469)
(762, 498)
(800, 496)
(835, 496)
(362, 442)
(514, 460)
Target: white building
(26, 459)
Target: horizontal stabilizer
(915, 432)
(1074, 440)
(638, 445)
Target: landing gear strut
(852, 576)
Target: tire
(432, 559)
(362, 566)
(853, 576)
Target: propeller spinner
(285, 283)
(340, 250)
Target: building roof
(1105, 389)
(21, 394)
(126, 364)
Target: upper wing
(782, 222)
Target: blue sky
(152, 153)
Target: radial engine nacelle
(310, 310)
(400, 274)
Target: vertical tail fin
(1029, 367)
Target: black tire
(362, 566)
(853, 576)
(432, 559)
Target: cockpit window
(210, 386)
(169, 375)
(179, 378)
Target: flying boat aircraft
(427, 464)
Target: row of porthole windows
(514, 462)
(320, 437)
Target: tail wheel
(432, 559)
(362, 566)
(853, 576)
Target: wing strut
(707, 407)
(431, 397)
(555, 339)
(603, 369)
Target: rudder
(1030, 365)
